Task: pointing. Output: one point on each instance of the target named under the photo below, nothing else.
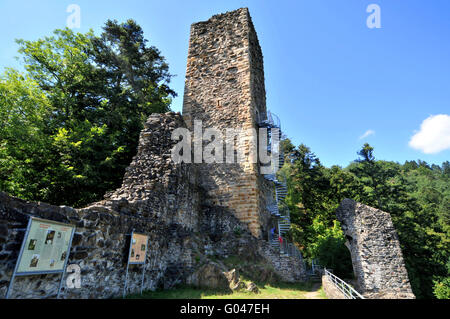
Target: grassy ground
(308, 290)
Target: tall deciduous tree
(95, 92)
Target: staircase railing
(270, 120)
(279, 209)
(348, 291)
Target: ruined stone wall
(154, 183)
(159, 198)
(100, 248)
(290, 269)
(225, 89)
(266, 199)
(375, 250)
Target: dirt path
(315, 293)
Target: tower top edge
(224, 16)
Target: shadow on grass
(307, 286)
(181, 292)
(268, 290)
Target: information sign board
(45, 250)
(46, 247)
(138, 249)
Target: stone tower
(225, 89)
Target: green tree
(442, 289)
(24, 125)
(412, 194)
(415, 194)
(328, 247)
(94, 95)
(313, 196)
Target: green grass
(267, 291)
(322, 294)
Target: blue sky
(329, 77)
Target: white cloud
(434, 135)
(368, 133)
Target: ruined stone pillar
(375, 250)
(224, 88)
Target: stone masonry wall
(266, 199)
(375, 250)
(225, 89)
(154, 183)
(100, 248)
(290, 269)
(158, 198)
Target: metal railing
(278, 209)
(348, 291)
(316, 268)
(285, 247)
(269, 119)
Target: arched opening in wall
(346, 270)
(332, 253)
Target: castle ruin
(195, 214)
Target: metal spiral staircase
(279, 209)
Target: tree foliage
(70, 124)
(415, 194)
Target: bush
(442, 289)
